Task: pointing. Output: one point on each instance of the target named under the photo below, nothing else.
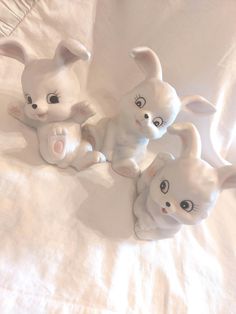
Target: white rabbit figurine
(181, 191)
(53, 105)
(145, 113)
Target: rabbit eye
(187, 205)
(164, 186)
(28, 99)
(158, 122)
(140, 101)
(52, 98)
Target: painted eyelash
(138, 96)
(163, 122)
(56, 93)
(195, 207)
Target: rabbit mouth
(41, 116)
(164, 211)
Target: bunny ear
(198, 104)
(160, 160)
(148, 62)
(69, 51)
(15, 50)
(148, 174)
(191, 142)
(227, 177)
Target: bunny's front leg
(16, 110)
(145, 227)
(128, 151)
(144, 220)
(109, 140)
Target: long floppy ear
(69, 51)
(191, 142)
(148, 62)
(227, 177)
(198, 104)
(15, 50)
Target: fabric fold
(12, 13)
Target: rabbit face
(50, 91)
(153, 105)
(150, 108)
(50, 86)
(186, 190)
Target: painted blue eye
(140, 101)
(187, 205)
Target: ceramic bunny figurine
(53, 105)
(181, 191)
(145, 113)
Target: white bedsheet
(66, 238)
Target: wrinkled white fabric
(67, 243)
(12, 14)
